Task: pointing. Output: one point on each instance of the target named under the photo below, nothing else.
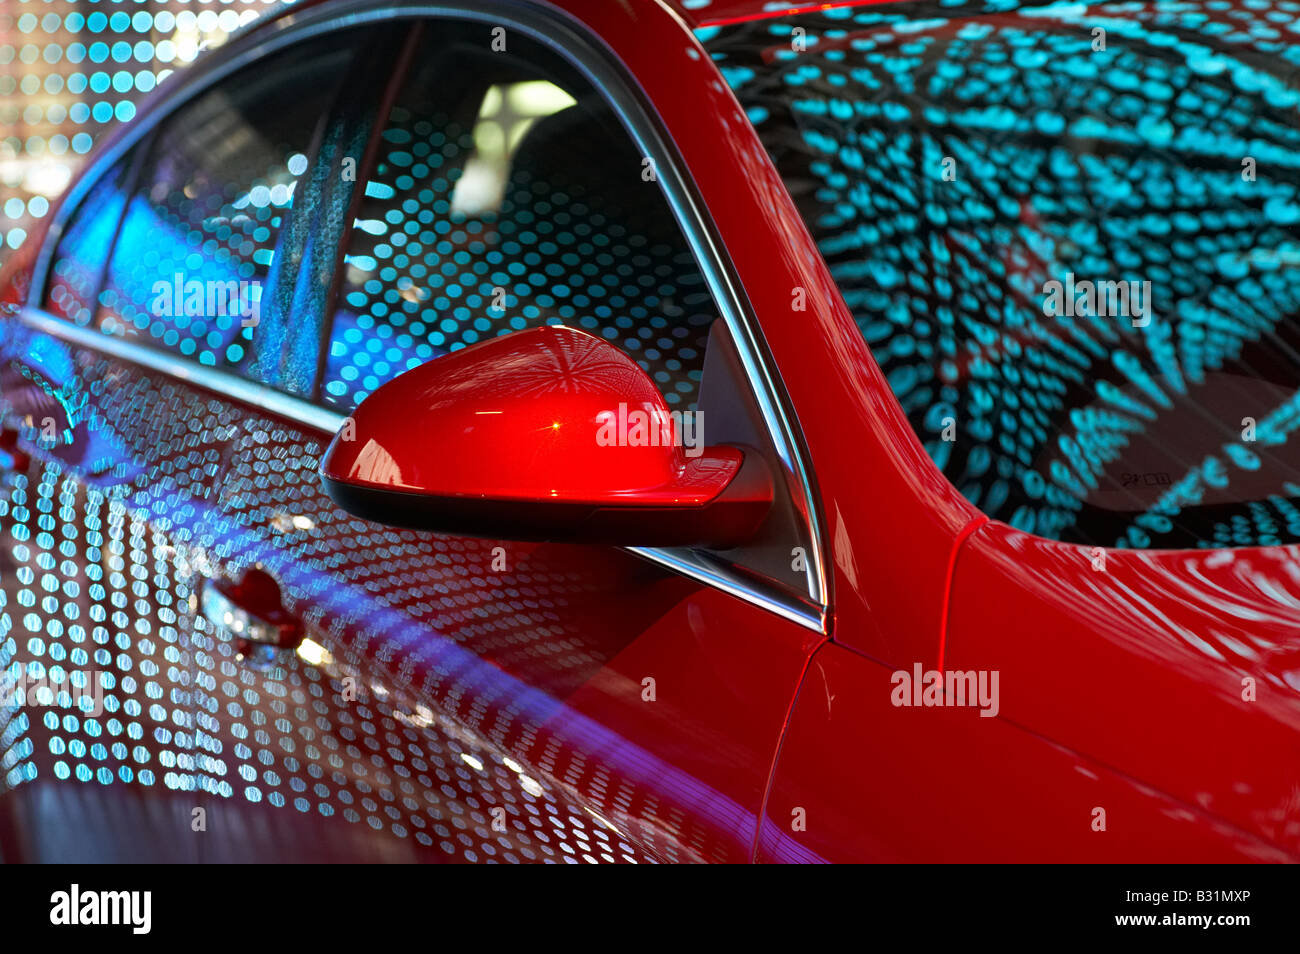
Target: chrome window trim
(559, 32)
(213, 379)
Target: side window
(79, 258)
(505, 194)
(208, 215)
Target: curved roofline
(725, 12)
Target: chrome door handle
(251, 610)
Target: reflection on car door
(454, 699)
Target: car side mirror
(547, 434)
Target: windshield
(1071, 237)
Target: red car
(667, 431)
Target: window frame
(140, 155)
(571, 41)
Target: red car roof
(708, 12)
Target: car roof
(716, 12)
(695, 13)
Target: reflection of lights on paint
(314, 653)
(604, 821)
(422, 717)
(286, 523)
(472, 762)
(529, 785)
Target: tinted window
(209, 215)
(504, 194)
(83, 249)
(1071, 237)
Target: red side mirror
(546, 434)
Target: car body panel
(530, 675)
(710, 12)
(862, 780)
(890, 560)
(1181, 668)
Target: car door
(429, 697)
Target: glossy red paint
(638, 710)
(891, 518)
(861, 779)
(877, 781)
(1161, 689)
(547, 414)
(16, 274)
(719, 12)
(1179, 668)
(547, 434)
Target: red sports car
(678, 430)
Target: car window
(1071, 236)
(78, 264)
(504, 194)
(191, 269)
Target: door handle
(253, 612)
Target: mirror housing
(547, 434)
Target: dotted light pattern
(580, 238)
(435, 744)
(952, 158)
(69, 69)
(455, 661)
(84, 248)
(205, 216)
